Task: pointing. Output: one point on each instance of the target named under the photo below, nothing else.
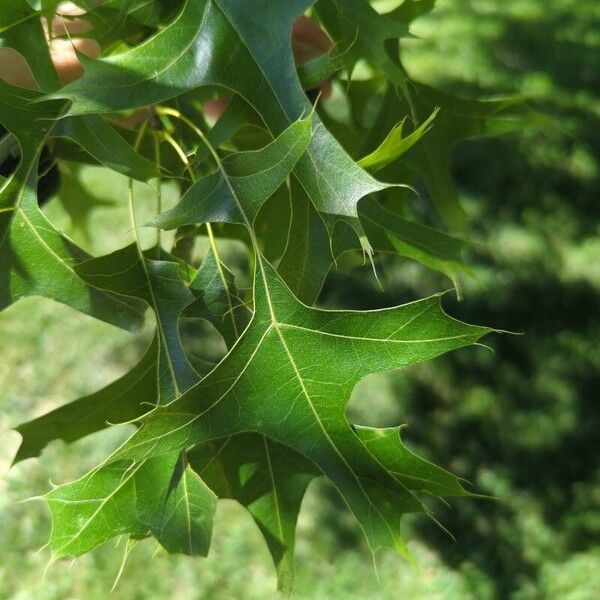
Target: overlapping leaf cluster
(299, 188)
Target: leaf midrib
(275, 325)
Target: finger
(70, 9)
(309, 40)
(130, 121)
(15, 70)
(215, 108)
(65, 58)
(326, 89)
(64, 27)
(65, 21)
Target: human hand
(308, 42)
(14, 68)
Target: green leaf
(112, 22)
(76, 199)
(186, 525)
(123, 400)
(218, 300)
(319, 69)
(416, 473)
(21, 29)
(267, 478)
(456, 120)
(409, 10)
(237, 115)
(101, 141)
(291, 181)
(295, 344)
(252, 177)
(310, 256)
(132, 274)
(459, 119)
(133, 499)
(367, 34)
(431, 247)
(395, 144)
(37, 260)
(260, 69)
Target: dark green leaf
(269, 479)
(36, 260)
(121, 401)
(260, 68)
(21, 29)
(131, 274)
(102, 142)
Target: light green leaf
(395, 144)
(76, 199)
(409, 10)
(295, 345)
(161, 497)
(252, 177)
(416, 473)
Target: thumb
(65, 59)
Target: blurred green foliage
(521, 423)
